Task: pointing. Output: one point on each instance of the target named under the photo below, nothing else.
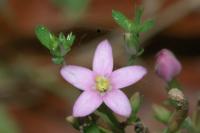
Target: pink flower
(102, 84)
(167, 66)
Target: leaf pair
(135, 25)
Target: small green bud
(161, 114)
(70, 39)
(61, 37)
(136, 102)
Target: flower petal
(118, 102)
(126, 76)
(103, 59)
(87, 103)
(79, 77)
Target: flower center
(102, 84)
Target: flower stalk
(133, 29)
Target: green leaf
(122, 20)
(66, 42)
(138, 15)
(146, 26)
(108, 118)
(45, 37)
(7, 124)
(61, 38)
(136, 102)
(161, 114)
(92, 129)
(58, 46)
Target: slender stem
(173, 84)
(132, 41)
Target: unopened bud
(176, 94)
(167, 65)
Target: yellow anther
(102, 84)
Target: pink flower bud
(167, 65)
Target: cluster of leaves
(132, 29)
(133, 26)
(58, 46)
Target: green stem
(132, 46)
(173, 84)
